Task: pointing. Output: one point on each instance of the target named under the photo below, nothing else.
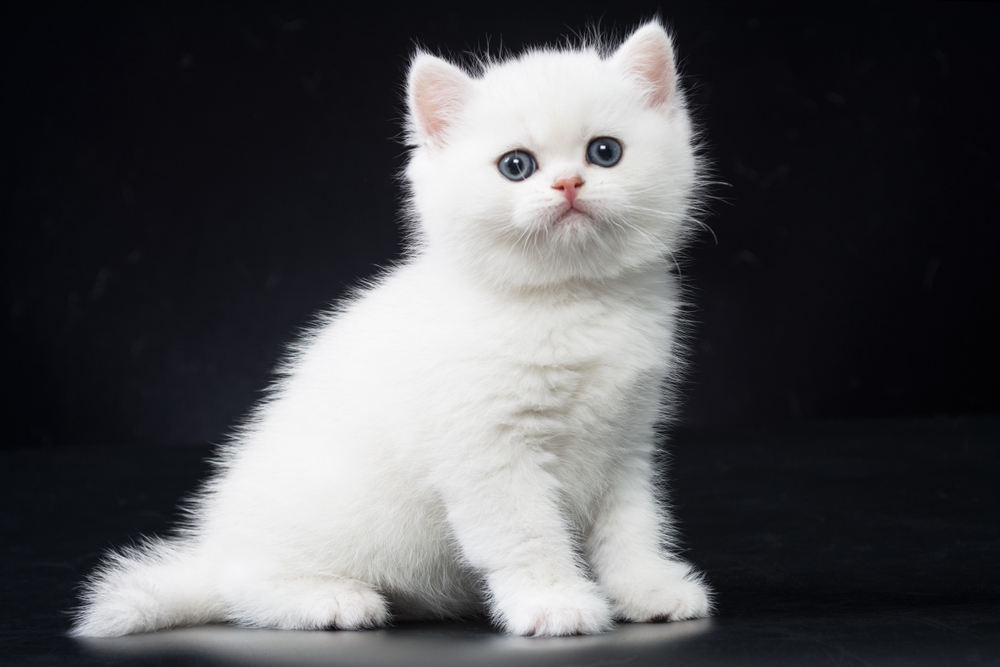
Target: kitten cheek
(526, 222)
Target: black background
(183, 186)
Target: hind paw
(306, 603)
(344, 606)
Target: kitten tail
(155, 586)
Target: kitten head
(555, 166)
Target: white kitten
(476, 429)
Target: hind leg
(306, 602)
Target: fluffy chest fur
(553, 366)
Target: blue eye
(604, 152)
(517, 165)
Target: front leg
(504, 512)
(644, 581)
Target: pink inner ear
(648, 59)
(431, 109)
(438, 91)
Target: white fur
(476, 430)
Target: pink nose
(569, 186)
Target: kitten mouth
(571, 214)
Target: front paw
(556, 613)
(668, 599)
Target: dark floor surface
(868, 543)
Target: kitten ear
(436, 93)
(647, 59)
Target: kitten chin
(475, 431)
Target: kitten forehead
(560, 95)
